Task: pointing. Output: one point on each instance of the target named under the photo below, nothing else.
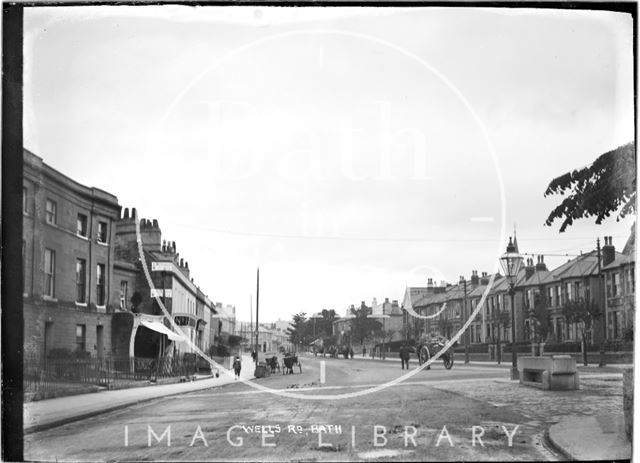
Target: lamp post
(511, 262)
(464, 317)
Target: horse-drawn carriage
(429, 345)
(290, 361)
(272, 363)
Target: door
(48, 338)
(100, 341)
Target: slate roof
(416, 294)
(537, 278)
(622, 259)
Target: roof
(630, 246)
(415, 294)
(537, 278)
(622, 259)
(578, 267)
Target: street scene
(230, 418)
(333, 233)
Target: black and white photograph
(323, 232)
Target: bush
(60, 353)
(81, 354)
(219, 350)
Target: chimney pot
(155, 223)
(134, 213)
(186, 264)
(126, 213)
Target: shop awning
(160, 328)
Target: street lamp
(511, 262)
(465, 315)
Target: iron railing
(50, 375)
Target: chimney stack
(529, 269)
(540, 265)
(126, 213)
(484, 280)
(155, 223)
(429, 282)
(181, 263)
(164, 245)
(474, 278)
(134, 214)
(608, 251)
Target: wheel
(423, 355)
(448, 361)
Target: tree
(584, 313)
(298, 329)
(444, 326)
(325, 324)
(386, 335)
(540, 322)
(604, 187)
(502, 320)
(362, 326)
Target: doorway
(48, 338)
(100, 341)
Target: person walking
(364, 351)
(237, 366)
(405, 356)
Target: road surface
(466, 413)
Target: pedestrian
(405, 356)
(351, 352)
(237, 366)
(364, 351)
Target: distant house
(620, 292)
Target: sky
(346, 152)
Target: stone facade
(68, 255)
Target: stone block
(549, 373)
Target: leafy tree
(502, 320)
(298, 329)
(444, 326)
(598, 190)
(540, 321)
(324, 325)
(362, 326)
(584, 313)
(234, 340)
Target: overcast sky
(347, 152)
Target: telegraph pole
(257, 311)
(602, 308)
(251, 324)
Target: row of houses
(85, 284)
(606, 277)
(272, 337)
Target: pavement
(44, 414)
(597, 436)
